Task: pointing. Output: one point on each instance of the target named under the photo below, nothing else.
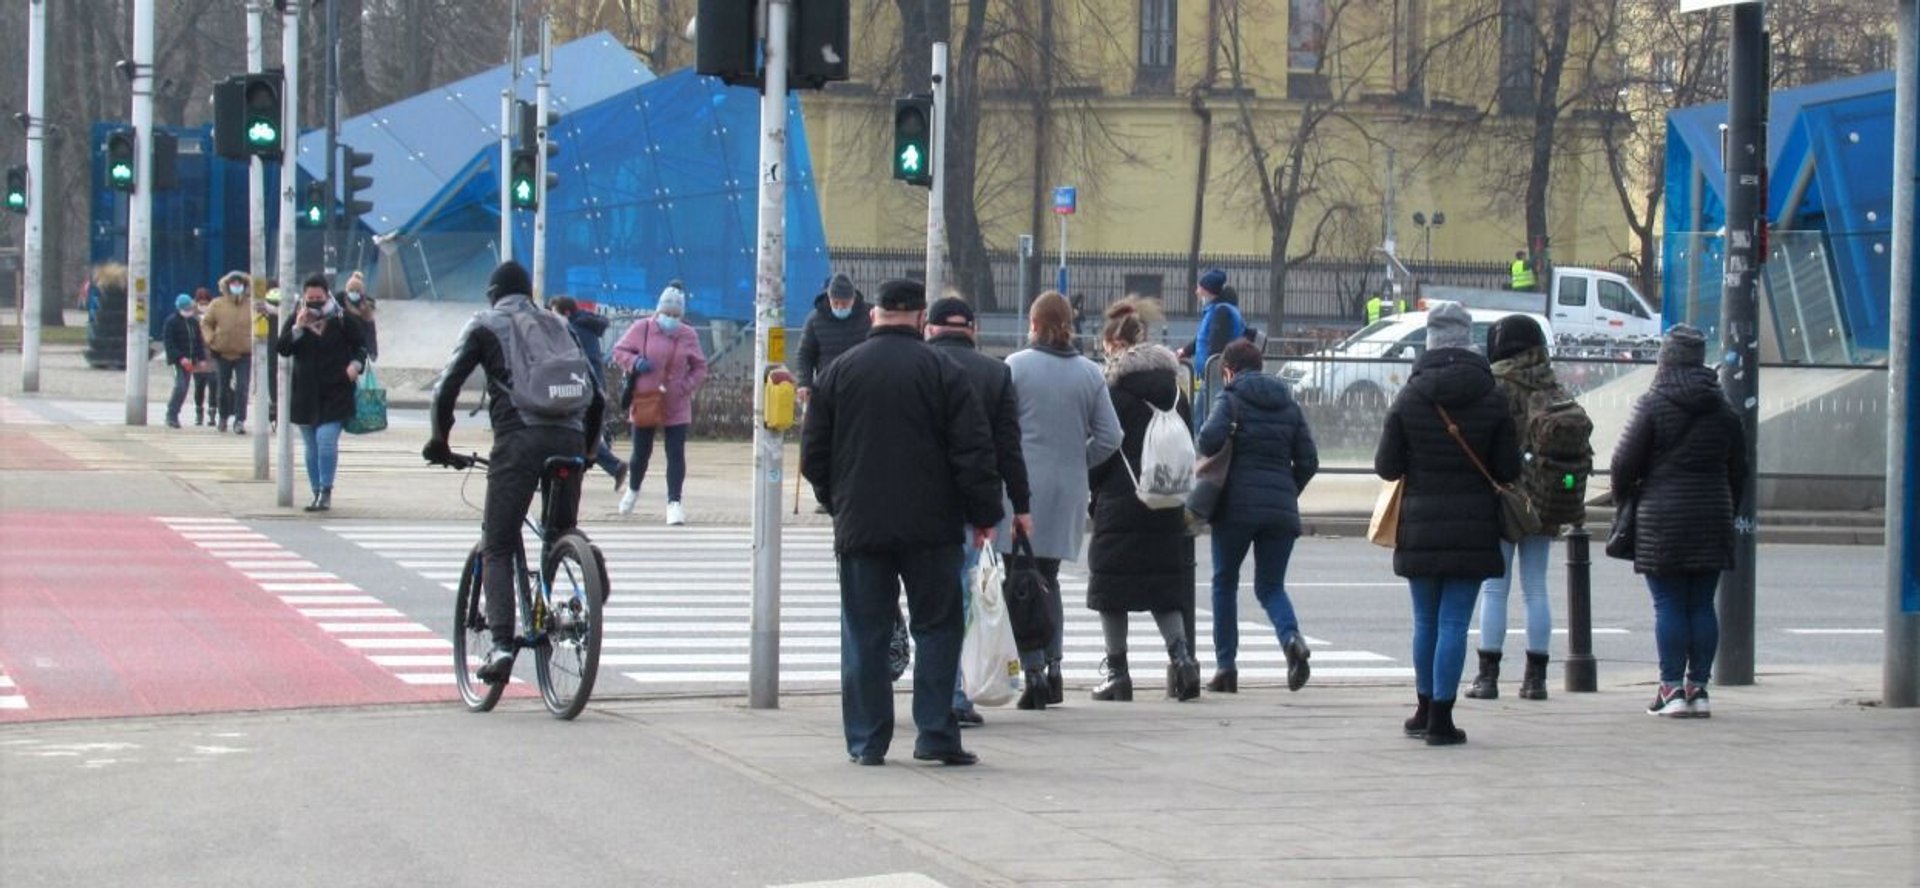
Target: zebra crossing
(682, 597)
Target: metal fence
(1319, 292)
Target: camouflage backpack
(1559, 456)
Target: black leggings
(676, 459)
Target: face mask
(667, 323)
(237, 289)
(354, 295)
(317, 307)
(841, 313)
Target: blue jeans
(1442, 607)
(676, 459)
(323, 453)
(870, 584)
(1272, 549)
(970, 557)
(1686, 631)
(1534, 553)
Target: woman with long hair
(1141, 558)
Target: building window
(1666, 71)
(1155, 73)
(1517, 46)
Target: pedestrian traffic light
(724, 41)
(821, 31)
(230, 118)
(523, 190)
(913, 140)
(313, 210)
(261, 123)
(530, 141)
(121, 171)
(17, 189)
(353, 185)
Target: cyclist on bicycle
(523, 441)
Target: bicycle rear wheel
(568, 657)
(472, 638)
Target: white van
(1369, 367)
(1586, 303)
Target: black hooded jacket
(1449, 515)
(1684, 454)
(993, 386)
(826, 337)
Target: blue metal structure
(1830, 171)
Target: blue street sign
(1064, 198)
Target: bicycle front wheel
(568, 657)
(472, 638)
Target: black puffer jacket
(1683, 452)
(1273, 452)
(826, 337)
(320, 392)
(897, 447)
(993, 385)
(1140, 558)
(1449, 516)
(183, 340)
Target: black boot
(1533, 685)
(1224, 681)
(1056, 685)
(1183, 673)
(1422, 711)
(1440, 729)
(1118, 684)
(1298, 671)
(326, 499)
(1486, 685)
(1035, 695)
(314, 504)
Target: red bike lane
(105, 615)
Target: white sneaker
(676, 516)
(627, 500)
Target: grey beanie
(1684, 346)
(1449, 326)
(840, 287)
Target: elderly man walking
(897, 446)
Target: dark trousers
(234, 376)
(676, 459)
(513, 476)
(870, 585)
(181, 379)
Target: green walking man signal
(913, 140)
(17, 189)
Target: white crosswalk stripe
(682, 597)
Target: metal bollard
(1582, 671)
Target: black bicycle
(559, 610)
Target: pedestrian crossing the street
(682, 597)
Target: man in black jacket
(520, 451)
(950, 330)
(840, 320)
(587, 329)
(898, 448)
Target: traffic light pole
(1902, 660)
(140, 214)
(290, 291)
(763, 644)
(330, 245)
(937, 195)
(541, 99)
(36, 195)
(506, 174)
(1739, 320)
(257, 244)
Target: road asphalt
(1798, 779)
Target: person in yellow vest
(1521, 271)
(1373, 309)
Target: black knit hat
(508, 279)
(1512, 335)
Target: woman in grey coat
(1067, 426)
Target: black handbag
(1029, 597)
(1620, 535)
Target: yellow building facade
(1399, 101)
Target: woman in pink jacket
(662, 357)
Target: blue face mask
(666, 322)
(841, 313)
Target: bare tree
(1296, 160)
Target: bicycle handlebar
(464, 462)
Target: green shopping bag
(369, 405)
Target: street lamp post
(1427, 226)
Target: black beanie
(509, 279)
(1512, 335)
(1684, 346)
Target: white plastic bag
(989, 660)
